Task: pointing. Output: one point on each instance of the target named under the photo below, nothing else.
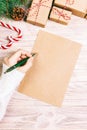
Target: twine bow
(61, 14)
(36, 7)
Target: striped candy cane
(11, 39)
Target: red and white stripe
(11, 39)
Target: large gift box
(78, 7)
(49, 77)
(39, 12)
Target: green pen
(20, 63)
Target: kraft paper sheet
(48, 78)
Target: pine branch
(7, 12)
(6, 6)
(3, 8)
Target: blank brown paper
(48, 78)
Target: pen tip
(34, 54)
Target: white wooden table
(23, 112)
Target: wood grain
(25, 113)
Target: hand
(17, 56)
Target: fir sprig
(6, 6)
(3, 8)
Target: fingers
(17, 56)
(29, 62)
(20, 54)
(6, 60)
(27, 66)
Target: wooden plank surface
(23, 112)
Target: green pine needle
(6, 6)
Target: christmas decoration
(60, 15)
(77, 7)
(11, 39)
(39, 12)
(14, 8)
(18, 13)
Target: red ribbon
(37, 7)
(70, 2)
(61, 14)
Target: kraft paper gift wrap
(39, 11)
(60, 15)
(48, 78)
(78, 7)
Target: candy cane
(10, 38)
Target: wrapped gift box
(39, 11)
(77, 7)
(60, 15)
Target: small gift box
(77, 7)
(39, 11)
(60, 15)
